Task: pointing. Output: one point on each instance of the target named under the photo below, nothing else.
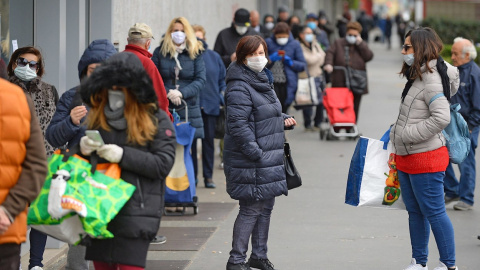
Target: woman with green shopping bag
(141, 139)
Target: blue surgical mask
(309, 37)
(408, 59)
(25, 73)
(351, 39)
(312, 25)
(269, 25)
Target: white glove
(87, 146)
(176, 101)
(111, 152)
(328, 68)
(174, 93)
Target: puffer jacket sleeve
(158, 161)
(299, 62)
(238, 110)
(439, 115)
(61, 129)
(198, 83)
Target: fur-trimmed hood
(124, 70)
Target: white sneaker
(414, 266)
(442, 266)
(36, 268)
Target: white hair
(467, 48)
(137, 41)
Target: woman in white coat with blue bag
(421, 154)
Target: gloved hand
(174, 93)
(275, 57)
(87, 146)
(328, 68)
(359, 40)
(287, 60)
(111, 152)
(176, 101)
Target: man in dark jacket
(228, 38)
(139, 39)
(259, 28)
(468, 96)
(66, 127)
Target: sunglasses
(406, 46)
(21, 62)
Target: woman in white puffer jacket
(421, 154)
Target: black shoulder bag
(356, 77)
(293, 177)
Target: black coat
(145, 167)
(254, 136)
(227, 41)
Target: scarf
(179, 50)
(442, 70)
(115, 118)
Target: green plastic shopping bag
(73, 190)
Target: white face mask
(269, 25)
(282, 41)
(408, 59)
(178, 37)
(257, 63)
(351, 39)
(116, 99)
(241, 30)
(25, 73)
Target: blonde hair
(193, 46)
(141, 121)
(199, 28)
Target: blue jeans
(38, 240)
(253, 220)
(466, 187)
(423, 197)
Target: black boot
(263, 264)
(240, 266)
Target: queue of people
(253, 72)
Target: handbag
(307, 92)
(220, 124)
(372, 177)
(293, 177)
(357, 78)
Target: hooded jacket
(61, 130)
(294, 51)
(254, 136)
(191, 81)
(419, 124)
(145, 167)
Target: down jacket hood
(237, 72)
(452, 73)
(124, 70)
(98, 51)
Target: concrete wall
(213, 15)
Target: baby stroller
(340, 121)
(180, 182)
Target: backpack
(456, 134)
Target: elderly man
(255, 24)
(468, 95)
(139, 39)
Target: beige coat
(315, 57)
(419, 125)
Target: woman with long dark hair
(421, 154)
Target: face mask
(116, 99)
(309, 37)
(408, 59)
(178, 37)
(269, 25)
(241, 30)
(257, 63)
(312, 25)
(351, 39)
(25, 73)
(282, 41)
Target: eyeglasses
(21, 62)
(406, 46)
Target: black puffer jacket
(254, 136)
(145, 167)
